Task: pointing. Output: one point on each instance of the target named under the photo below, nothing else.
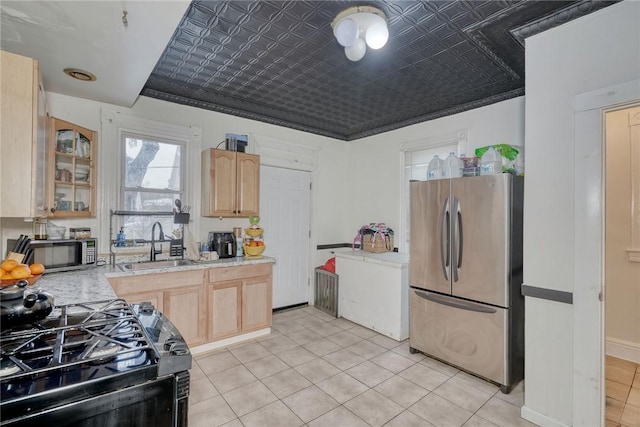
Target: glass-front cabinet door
(72, 182)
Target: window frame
(111, 159)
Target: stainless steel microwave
(64, 254)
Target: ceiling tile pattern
(278, 62)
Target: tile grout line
(286, 332)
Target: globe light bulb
(377, 35)
(356, 51)
(346, 32)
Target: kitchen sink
(152, 265)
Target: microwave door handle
(444, 238)
(457, 239)
(83, 253)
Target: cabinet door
(256, 303)
(218, 183)
(72, 170)
(156, 298)
(18, 135)
(185, 308)
(224, 309)
(248, 184)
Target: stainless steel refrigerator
(465, 273)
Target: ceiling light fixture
(78, 74)
(358, 27)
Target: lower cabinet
(186, 308)
(205, 305)
(224, 307)
(239, 300)
(256, 303)
(178, 295)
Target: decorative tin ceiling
(278, 62)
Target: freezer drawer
(469, 335)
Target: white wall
(376, 172)
(595, 51)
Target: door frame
(589, 397)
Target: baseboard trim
(539, 419)
(228, 341)
(621, 349)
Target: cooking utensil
(178, 203)
(19, 306)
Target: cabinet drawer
(470, 335)
(161, 281)
(236, 273)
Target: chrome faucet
(155, 251)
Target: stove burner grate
(103, 333)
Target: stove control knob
(170, 341)
(146, 307)
(178, 348)
(175, 345)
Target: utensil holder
(181, 218)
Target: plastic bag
(330, 265)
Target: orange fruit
(6, 276)
(36, 268)
(9, 264)
(2, 272)
(253, 243)
(21, 272)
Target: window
(153, 181)
(416, 160)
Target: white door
(285, 197)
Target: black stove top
(77, 345)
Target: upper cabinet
(72, 174)
(23, 155)
(230, 183)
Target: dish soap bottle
(121, 238)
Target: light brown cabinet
(239, 300)
(230, 183)
(224, 301)
(72, 174)
(22, 138)
(206, 305)
(186, 308)
(178, 295)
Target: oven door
(153, 403)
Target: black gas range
(103, 363)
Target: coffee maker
(224, 243)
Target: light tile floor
(623, 393)
(319, 371)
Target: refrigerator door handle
(457, 240)
(445, 239)
(455, 303)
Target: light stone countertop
(90, 285)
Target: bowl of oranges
(254, 248)
(11, 271)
